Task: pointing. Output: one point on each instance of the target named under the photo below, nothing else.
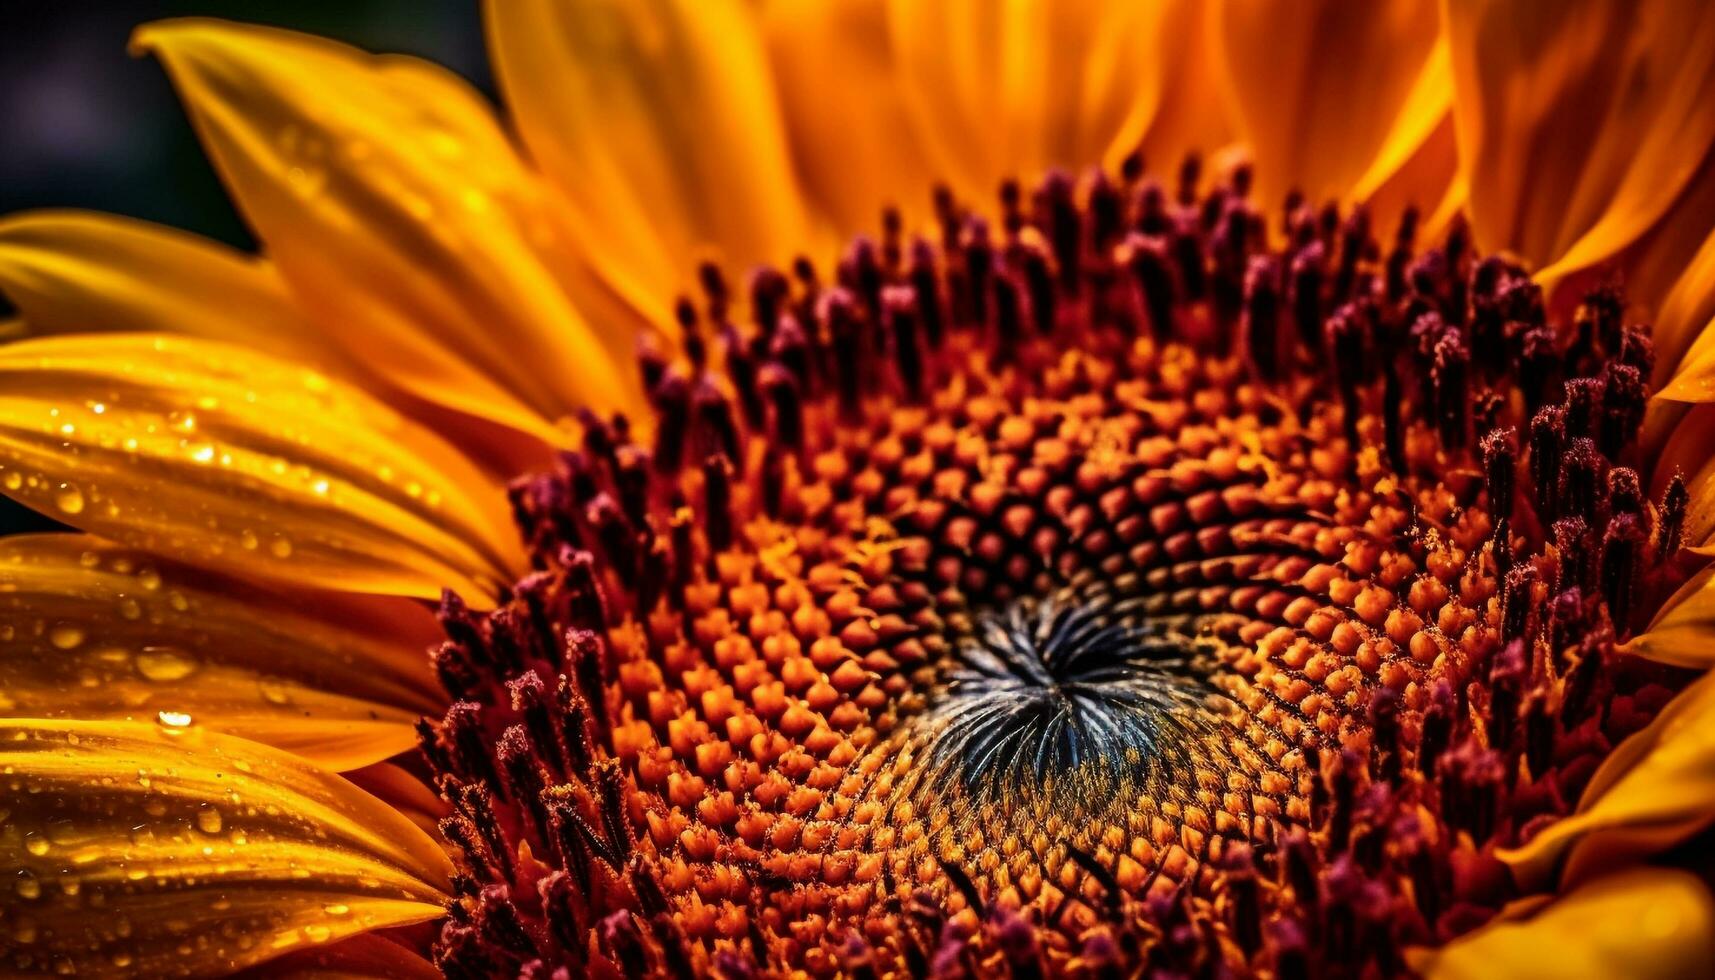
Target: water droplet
(36, 844)
(281, 547)
(317, 933)
(274, 691)
(173, 721)
(336, 908)
(14, 479)
(28, 887)
(208, 820)
(66, 636)
(164, 664)
(129, 608)
(69, 499)
(248, 540)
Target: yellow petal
(1683, 630)
(229, 458)
(76, 271)
(1656, 789)
(157, 849)
(95, 631)
(366, 956)
(1011, 90)
(658, 121)
(1332, 97)
(1579, 124)
(1647, 923)
(850, 132)
(395, 208)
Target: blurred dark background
(84, 124)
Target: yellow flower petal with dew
(159, 848)
(226, 457)
(1654, 790)
(76, 272)
(1001, 91)
(394, 206)
(851, 135)
(658, 120)
(1683, 630)
(1648, 923)
(1332, 97)
(96, 631)
(1579, 124)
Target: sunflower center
(1121, 578)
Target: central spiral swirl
(1076, 694)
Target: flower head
(1287, 561)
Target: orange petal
(91, 631)
(1656, 789)
(850, 132)
(1579, 124)
(1690, 452)
(1683, 630)
(1191, 115)
(393, 205)
(149, 849)
(1010, 90)
(1332, 98)
(403, 792)
(229, 458)
(366, 956)
(1647, 923)
(658, 121)
(1685, 331)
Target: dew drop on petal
(208, 820)
(66, 636)
(69, 499)
(165, 664)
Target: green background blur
(83, 124)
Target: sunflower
(1266, 536)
